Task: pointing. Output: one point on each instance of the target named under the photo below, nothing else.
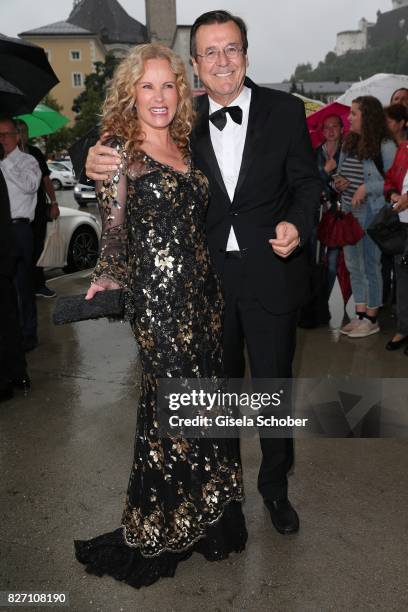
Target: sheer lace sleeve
(113, 256)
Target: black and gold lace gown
(184, 495)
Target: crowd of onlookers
(363, 171)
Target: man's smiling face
(222, 77)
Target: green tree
(50, 101)
(301, 72)
(330, 58)
(89, 102)
(59, 141)
(392, 57)
(293, 87)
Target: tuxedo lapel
(202, 142)
(256, 118)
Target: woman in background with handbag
(327, 157)
(367, 151)
(395, 190)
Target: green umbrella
(43, 120)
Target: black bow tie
(219, 118)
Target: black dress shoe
(284, 516)
(6, 393)
(22, 382)
(394, 345)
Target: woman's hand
(400, 202)
(359, 196)
(341, 183)
(102, 285)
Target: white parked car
(61, 175)
(84, 194)
(81, 232)
(66, 161)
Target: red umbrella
(343, 277)
(315, 120)
(339, 229)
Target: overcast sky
(282, 33)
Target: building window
(77, 79)
(75, 55)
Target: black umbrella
(11, 98)
(25, 75)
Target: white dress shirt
(228, 145)
(23, 177)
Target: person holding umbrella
(400, 96)
(328, 155)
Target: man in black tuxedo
(253, 145)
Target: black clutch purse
(387, 231)
(71, 308)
